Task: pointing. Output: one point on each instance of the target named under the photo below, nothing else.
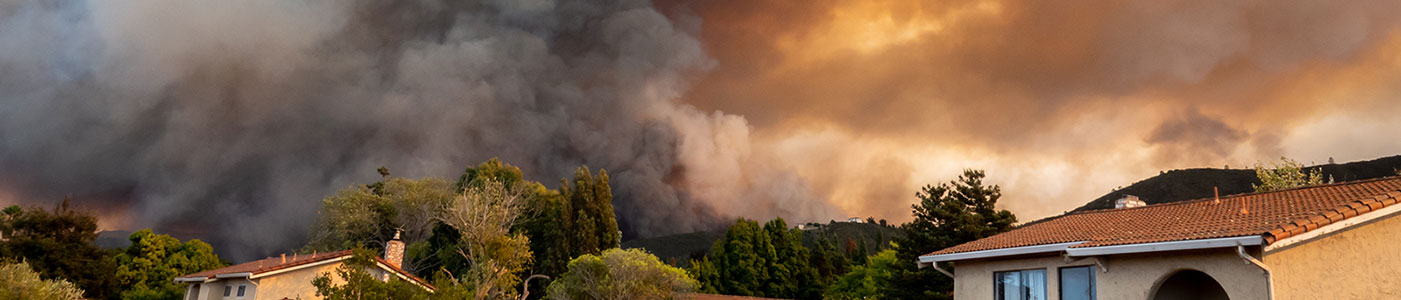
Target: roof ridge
(1234, 196)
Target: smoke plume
(232, 119)
(1060, 101)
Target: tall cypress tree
(607, 224)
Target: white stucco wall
(1124, 276)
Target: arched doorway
(1190, 285)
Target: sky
(1060, 102)
(227, 120)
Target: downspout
(941, 270)
(1269, 282)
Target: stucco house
(1334, 241)
(289, 277)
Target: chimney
(394, 251)
(1128, 201)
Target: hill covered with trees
(1188, 184)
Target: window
(226, 290)
(240, 290)
(1077, 283)
(1020, 285)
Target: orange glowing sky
(1060, 101)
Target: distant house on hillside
(289, 277)
(855, 220)
(1335, 241)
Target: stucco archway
(1189, 285)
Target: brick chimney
(1128, 201)
(394, 251)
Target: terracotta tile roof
(1272, 215)
(270, 264)
(276, 263)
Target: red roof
(277, 263)
(1272, 215)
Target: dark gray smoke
(232, 119)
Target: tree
(590, 209)
(19, 281)
(59, 245)
(484, 215)
(869, 281)
(768, 261)
(620, 274)
(949, 214)
(1285, 174)
(359, 284)
(828, 261)
(148, 267)
(371, 214)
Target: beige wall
(1128, 277)
(292, 284)
(295, 284)
(1359, 263)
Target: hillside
(679, 249)
(1181, 185)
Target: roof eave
(1048, 248)
(1249, 240)
(1070, 249)
(234, 275)
(191, 279)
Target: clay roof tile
(1276, 215)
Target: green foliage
(370, 215)
(19, 281)
(359, 283)
(578, 219)
(869, 281)
(148, 267)
(828, 261)
(949, 214)
(484, 215)
(768, 261)
(59, 245)
(590, 210)
(620, 274)
(1285, 174)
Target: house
(855, 220)
(1334, 241)
(287, 277)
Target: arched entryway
(1190, 285)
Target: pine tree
(948, 214)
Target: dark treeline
(59, 246)
(560, 243)
(772, 261)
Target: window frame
(1021, 278)
(228, 290)
(1060, 281)
(241, 289)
